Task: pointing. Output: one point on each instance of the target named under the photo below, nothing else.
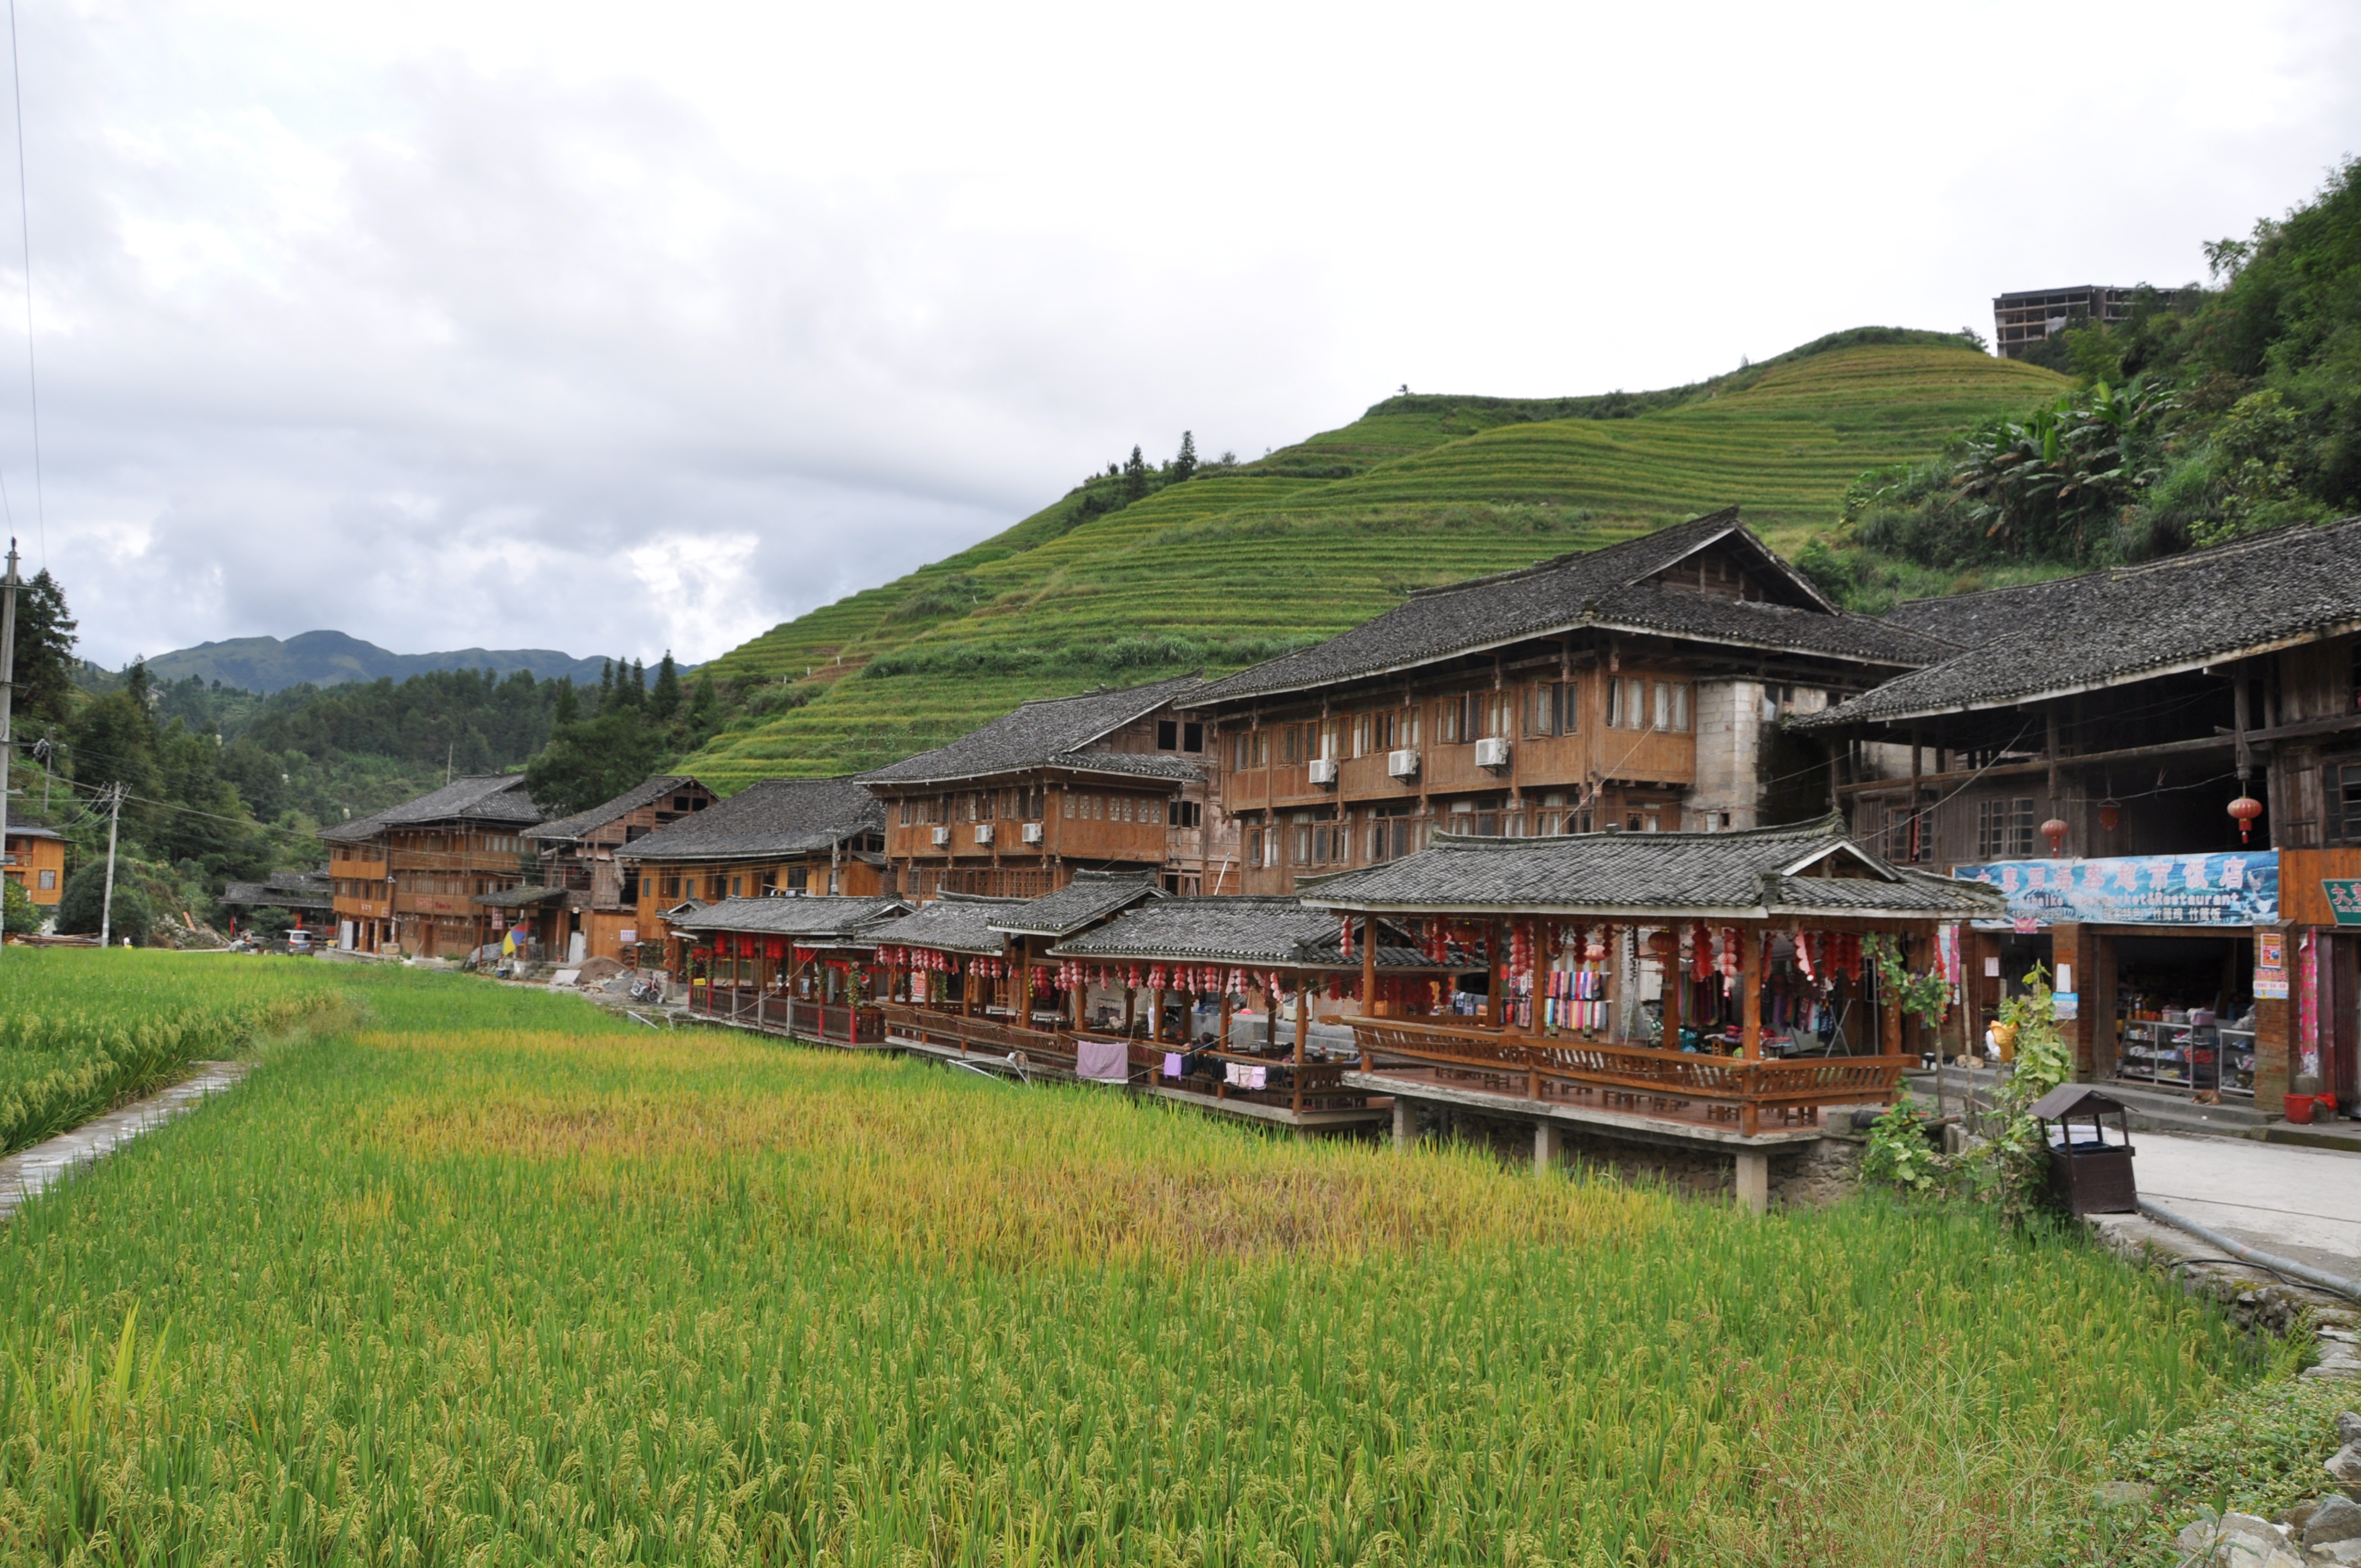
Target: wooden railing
(979, 1036)
(836, 1022)
(1627, 1076)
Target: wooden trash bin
(2089, 1173)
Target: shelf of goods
(2154, 1051)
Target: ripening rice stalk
(491, 1282)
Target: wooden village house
(2160, 767)
(1637, 687)
(1111, 780)
(812, 837)
(584, 898)
(35, 860)
(408, 879)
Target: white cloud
(598, 328)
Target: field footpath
(32, 1170)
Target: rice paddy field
(464, 1274)
(1237, 565)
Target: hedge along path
(512, 1294)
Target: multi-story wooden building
(776, 836)
(2083, 748)
(309, 898)
(1636, 688)
(410, 877)
(588, 893)
(1111, 780)
(35, 860)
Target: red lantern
(2110, 815)
(2055, 831)
(2245, 808)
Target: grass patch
(491, 1281)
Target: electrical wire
(24, 212)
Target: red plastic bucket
(2299, 1108)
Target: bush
(82, 905)
(22, 917)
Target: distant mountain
(330, 658)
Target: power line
(24, 212)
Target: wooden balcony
(1721, 1096)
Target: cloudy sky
(617, 329)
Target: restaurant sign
(2343, 895)
(2225, 889)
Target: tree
(593, 759)
(83, 902)
(1186, 463)
(567, 709)
(45, 657)
(1134, 477)
(20, 917)
(664, 703)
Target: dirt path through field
(29, 1171)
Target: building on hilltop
(412, 878)
(1113, 780)
(588, 898)
(1638, 688)
(2022, 320)
(2083, 748)
(817, 836)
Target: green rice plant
(81, 1032)
(497, 1280)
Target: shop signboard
(2270, 965)
(2235, 888)
(2344, 899)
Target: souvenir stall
(1208, 983)
(1615, 961)
(804, 966)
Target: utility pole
(106, 901)
(8, 696)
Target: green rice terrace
(463, 1274)
(1239, 564)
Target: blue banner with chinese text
(2232, 888)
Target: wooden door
(2340, 1032)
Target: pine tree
(605, 683)
(1186, 463)
(566, 710)
(664, 704)
(1134, 477)
(45, 656)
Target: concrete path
(2300, 1204)
(29, 1171)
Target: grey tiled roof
(1746, 875)
(2113, 628)
(1091, 895)
(1259, 931)
(1053, 734)
(485, 797)
(1602, 589)
(646, 793)
(822, 919)
(954, 922)
(769, 818)
(287, 890)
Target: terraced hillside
(1241, 563)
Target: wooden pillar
(1675, 990)
(1750, 986)
(1368, 966)
(1130, 1010)
(2070, 952)
(1223, 1034)
(1270, 1021)
(1155, 1014)
(967, 990)
(1023, 983)
(1493, 972)
(1890, 1040)
(1302, 1035)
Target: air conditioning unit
(1032, 832)
(1321, 771)
(1401, 764)
(943, 838)
(984, 832)
(1492, 751)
